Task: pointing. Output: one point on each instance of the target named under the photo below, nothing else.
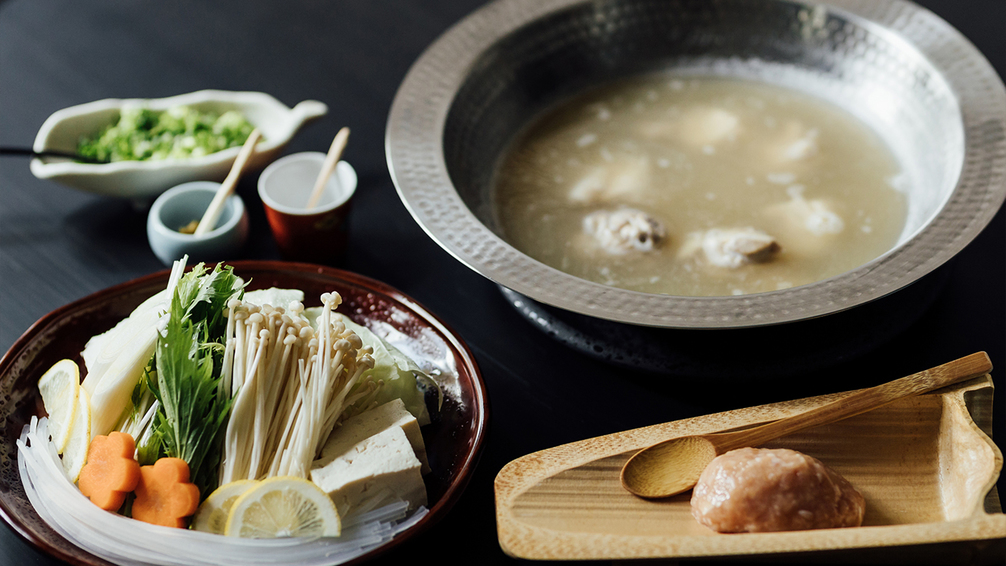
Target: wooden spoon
(212, 215)
(674, 466)
(331, 160)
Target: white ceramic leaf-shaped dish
(144, 180)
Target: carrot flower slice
(164, 495)
(110, 472)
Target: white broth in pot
(700, 186)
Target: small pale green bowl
(180, 205)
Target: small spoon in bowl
(209, 220)
(674, 466)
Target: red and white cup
(316, 235)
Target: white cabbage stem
(115, 360)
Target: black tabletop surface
(58, 245)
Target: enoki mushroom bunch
(291, 385)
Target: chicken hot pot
(934, 98)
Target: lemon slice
(212, 514)
(59, 387)
(283, 507)
(75, 453)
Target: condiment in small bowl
(185, 204)
(317, 234)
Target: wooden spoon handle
(209, 220)
(949, 373)
(331, 160)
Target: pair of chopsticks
(4, 150)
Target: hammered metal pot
(918, 82)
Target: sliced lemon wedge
(283, 506)
(58, 387)
(75, 452)
(212, 514)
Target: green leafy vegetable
(191, 413)
(179, 132)
(203, 298)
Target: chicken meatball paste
(763, 490)
(699, 186)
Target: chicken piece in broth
(625, 179)
(796, 142)
(623, 231)
(698, 126)
(808, 226)
(730, 247)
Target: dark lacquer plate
(454, 441)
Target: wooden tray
(926, 466)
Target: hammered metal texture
(922, 86)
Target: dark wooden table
(58, 245)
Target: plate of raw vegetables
(239, 413)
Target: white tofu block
(371, 467)
(356, 428)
